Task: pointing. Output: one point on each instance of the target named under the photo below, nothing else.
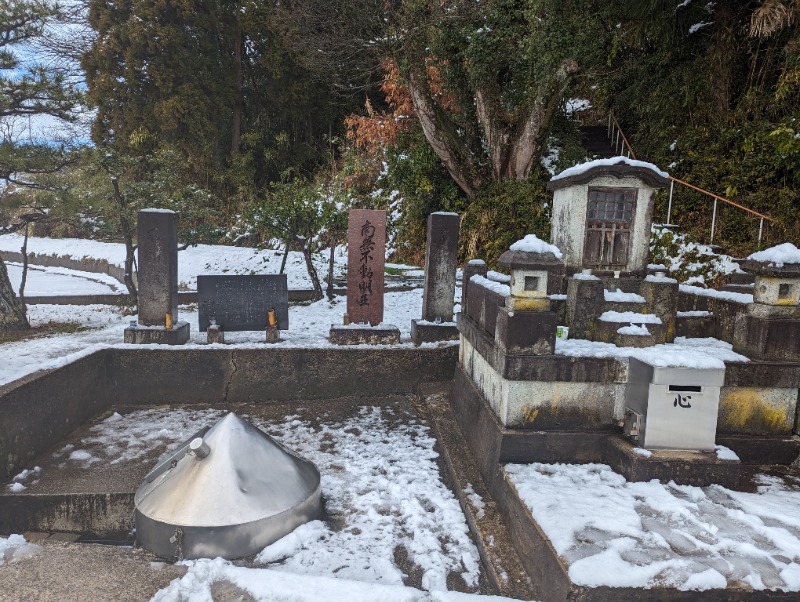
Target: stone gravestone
(440, 281)
(366, 241)
(238, 303)
(157, 234)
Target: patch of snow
(301, 538)
(694, 314)
(654, 278)
(476, 262)
(778, 255)
(500, 289)
(682, 353)
(724, 453)
(14, 548)
(582, 276)
(621, 297)
(557, 297)
(629, 316)
(698, 26)
(642, 452)
(584, 167)
(533, 244)
(710, 292)
(475, 500)
(633, 329)
(573, 105)
(648, 534)
(498, 277)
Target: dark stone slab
(760, 451)
(366, 241)
(764, 339)
(242, 302)
(694, 327)
(356, 334)
(528, 332)
(662, 300)
(101, 514)
(146, 335)
(471, 268)
(584, 300)
(430, 332)
(685, 468)
(781, 375)
(440, 267)
(157, 235)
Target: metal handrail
(613, 125)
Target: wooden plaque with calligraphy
(366, 242)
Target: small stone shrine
(241, 303)
(157, 234)
(440, 281)
(366, 257)
(602, 213)
(770, 330)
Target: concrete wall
(38, 411)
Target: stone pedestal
(526, 332)
(661, 297)
(584, 298)
(215, 334)
(364, 334)
(145, 335)
(423, 331)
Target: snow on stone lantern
(526, 324)
(602, 213)
(770, 329)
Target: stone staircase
(595, 140)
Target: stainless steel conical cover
(230, 491)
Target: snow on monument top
(778, 255)
(533, 244)
(584, 167)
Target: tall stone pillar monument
(157, 235)
(440, 281)
(366, 244)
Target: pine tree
(26, 91)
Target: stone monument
(157, 234)
(440, 281)
(363, 322)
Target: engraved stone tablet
(366, 240)
(242, 302)
(440, 267)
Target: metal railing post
(616, 143)
(610, 131)
(669, 205)
(760, 229)
(713, 221)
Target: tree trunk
(312, 271)
(238, 101)
(329, 291)
(12, 312)
(130, 248)
(24, 265)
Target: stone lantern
(526, 324)
(770, 329)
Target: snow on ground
(382, 491)
(53, 281)
(651, 534)
(14, 548)
(199, 259)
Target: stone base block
(423, 331)
(695, 327)
(762, 339)
(364, 334)
(634, 340)
(529, 332)
(684, 467)
(145, 335)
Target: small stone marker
(366, 241)
(157, 233)
(440, 280)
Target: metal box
(672, 408)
